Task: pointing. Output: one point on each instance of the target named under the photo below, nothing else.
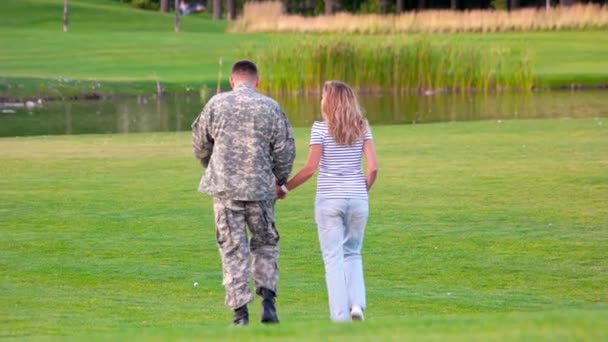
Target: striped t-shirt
(340, 171)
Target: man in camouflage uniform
(246, 144)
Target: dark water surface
(176, 112)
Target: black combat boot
(241, 316)
(269, 312)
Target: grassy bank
(112, 48)
(478, 231)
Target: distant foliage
(499, 5)
(370, 6)
(144, 4)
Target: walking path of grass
(493, 230)
(112, 48)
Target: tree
(176, 16)
(65, 16)
(399, 6)
(383, 6)
(230, 10)
(454, 4)
(329, 7)
(164, 5)
(217, 9)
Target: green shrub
(499, 5)
(145, 4)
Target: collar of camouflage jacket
(244, 86)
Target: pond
(176, 112)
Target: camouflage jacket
(246, 144)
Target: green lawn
(492, 230)
(112, 48)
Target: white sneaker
(356, 314)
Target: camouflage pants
(231, 220)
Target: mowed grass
(112, 48)
(492, 230)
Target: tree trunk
(219, 76)
(217, 9)
(164, 5)
(454, 4)
(65, 16)
(421, 4)
(565, 2)
(329, 7)
(230, 10)
(513, 5)
(176, 28)
(383, 6)
(399, 6)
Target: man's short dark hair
(245, 67)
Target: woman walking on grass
(337, 145)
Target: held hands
(280, 193)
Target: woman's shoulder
(318, 132)
(319, 126)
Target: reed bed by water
(270, 17)
(392, 66)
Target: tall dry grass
(270, 17)
(393, 66)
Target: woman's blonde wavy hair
(341, 110)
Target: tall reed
(393, 66)
(270, 17)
